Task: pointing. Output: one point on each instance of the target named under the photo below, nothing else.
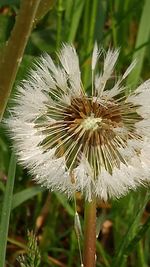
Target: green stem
(90, 38)
(89, 256)
(114, 32)
(140, 255)
(92, 27)
(86, 21)
(6, 208)
(59, 23)
(13, 52)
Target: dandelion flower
(95, 143)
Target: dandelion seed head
(98, 143)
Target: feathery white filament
(95, 55)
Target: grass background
(124, 238)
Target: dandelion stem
(14, 49)
(90, 234)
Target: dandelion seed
(95, 56)
(70, 141)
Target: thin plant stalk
(92, 25)
(86, 21)
(140, 255)
(59, 23)
(14, 49)
(89, 46)
(89, 252)
(114, 32)
(6, 209)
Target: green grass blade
(92, 25)
(76, 15)
(138, 236)
(122, 251)
(142, 37)
(63, 200)
(5, 216)
(100, 21)
(89, 45)
(141, 259)
(24, 195)
(103, 254)
(60, 10)
(68, 11)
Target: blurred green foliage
(126, 243)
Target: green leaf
(24, 195)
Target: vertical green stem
(141, 262)
(13, 52)
(5, 215)
(114, 32)
(89, 256)
(90, 38)
(92, 25)
(59, 23)
(86, 21)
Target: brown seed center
(95, 119)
